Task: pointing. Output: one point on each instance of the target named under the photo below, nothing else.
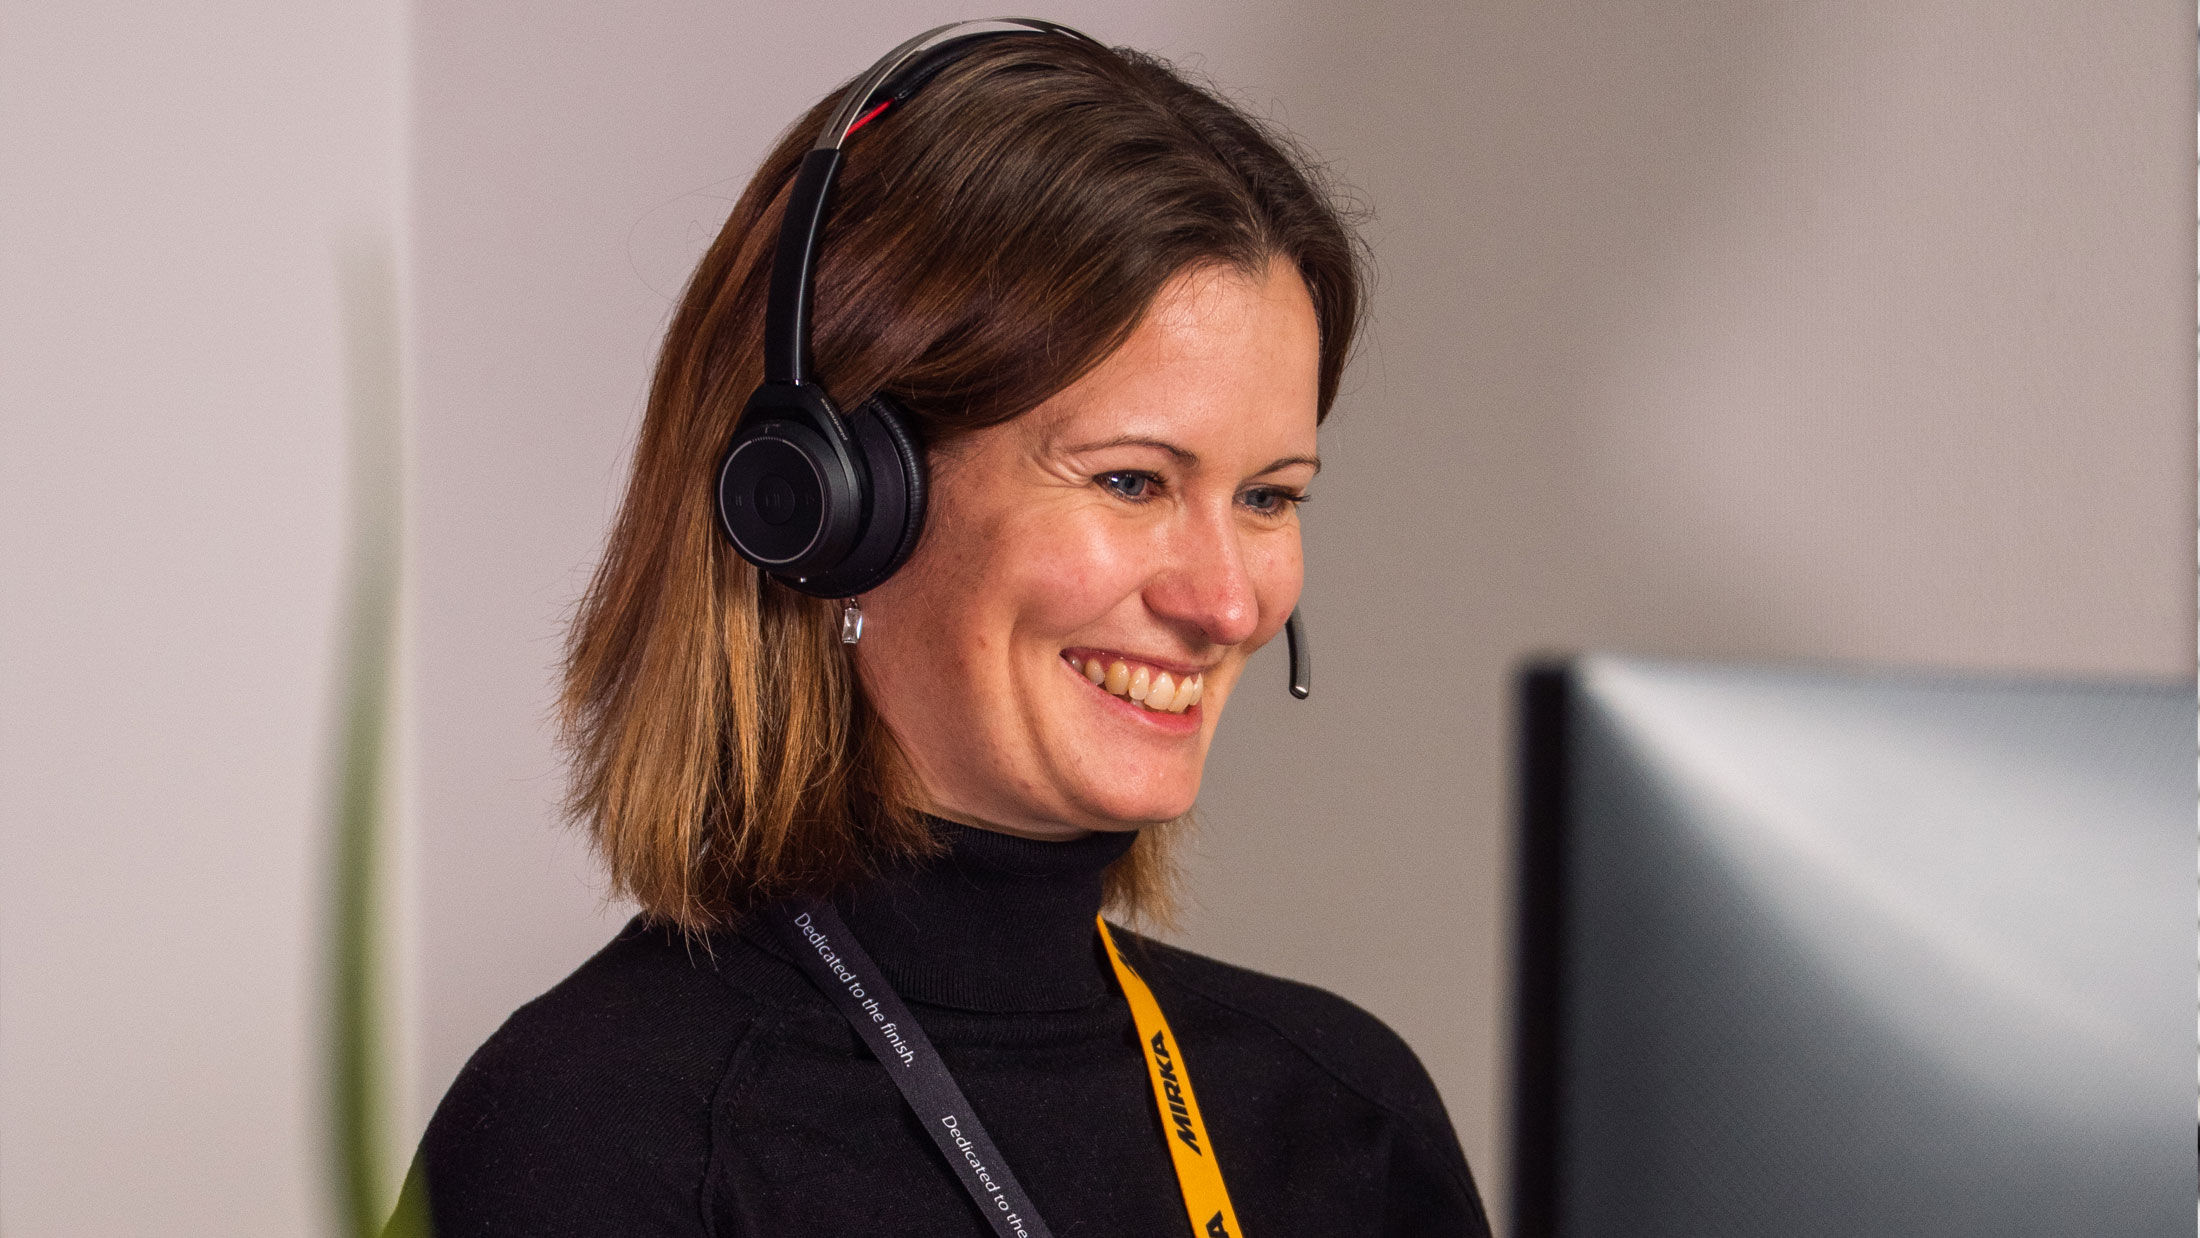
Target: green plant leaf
(357, 1092)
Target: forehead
(1222, 355)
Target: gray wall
(177, 184)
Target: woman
(1109, 312)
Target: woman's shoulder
(597, 1093)
(651, 995)
(1208, 999)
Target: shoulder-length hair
(985, 249)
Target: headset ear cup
(791, 497)
(898, 492)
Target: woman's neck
(1000, 923)
(1037, 831)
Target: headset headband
(898, 75)
(921, 57)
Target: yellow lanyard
(1206, 1200)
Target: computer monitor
(1829, 952)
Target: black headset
(826, 503)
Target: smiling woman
(1085, 318)
(1008, 258)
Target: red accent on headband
(865, 119)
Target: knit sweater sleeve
(589, 1111)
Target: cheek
(1069, 573)
(977, 590)
(1279, 572)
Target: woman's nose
(1205, 583)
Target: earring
(851, 621)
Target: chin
(1123, 808)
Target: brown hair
(987, 245)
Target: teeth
(1159, 691)
(1183, 701)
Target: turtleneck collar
(998, 924)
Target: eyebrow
(1189, 458)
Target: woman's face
(1145, 516)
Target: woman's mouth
(1157, 689)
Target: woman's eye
(1128, 484)
(1272, 500)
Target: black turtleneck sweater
(708, 1088)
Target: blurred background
(1742, 329)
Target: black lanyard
(829, 953)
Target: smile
(1157, 689)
